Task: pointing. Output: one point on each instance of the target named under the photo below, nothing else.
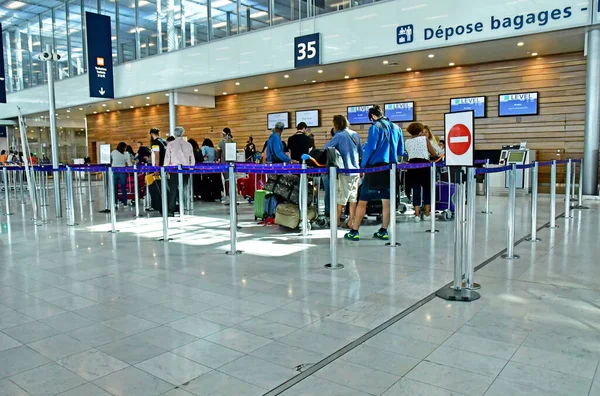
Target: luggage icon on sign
(405, 34)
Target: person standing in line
(347, 142)
(129, 151)
(250, 150)
(420, 149)
(119, 158)
(3, 157)
(178, 152)
(385, 144)
(198, 158)
(143, 154)
(274, 149)
(158, 145)
(227, 138)
(299, 143)
(211, 186)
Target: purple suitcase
(442, 190)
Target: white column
(592, 116)
(172, 113)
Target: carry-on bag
(271, 203)
(287, 215)
(444, 196)
(155, 194)
(259, 203)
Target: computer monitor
(516, 157)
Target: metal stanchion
(165, 209)
(7, 211)
(21, 189)
(70, 201)
(190, 201)
(105, 185)
(470, 216)
(333, 219)
(392, 225)
(534, 193)
(456, 292)
(111, 199)
(573, 179)
(580, 188)
(233, 212)
(303, 200)
(181, 192)
(487, 190)
(512, 196)
(568, 191)
(89, 176)
(45, 178)
(553, 195)
(432, 176)
(136, 193)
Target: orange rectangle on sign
(100, 61)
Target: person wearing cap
(227, 138)
(178, 152)
(385, 144)
(275, 152)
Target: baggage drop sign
(459, 134)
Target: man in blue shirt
(275, 153)
(347, 142)
(385, 144)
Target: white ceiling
(483, 52)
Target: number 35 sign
(307, 50)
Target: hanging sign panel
(459, 133)
(99, 44)
(2, 75)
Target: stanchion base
(556, 226)
(76, 224)
(567, 217)
(484, 212)
(334, 266)
(579, 207)
(231, 253)
(476, 286)
(451, 294)
(113, 232)
(105, 211)
(433, 232)
(163, 239)
(513, 257)
(8, 214)
(392, 244)
(533, 240)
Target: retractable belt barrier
(458, 291)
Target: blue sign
(100, 65)
(2, 75)
(307, 50)
(400, 112)
(2, 131)
(405, 34)
(518, 104)
(359, 114)
(477, 104)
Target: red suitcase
(131, 187)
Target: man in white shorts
(347, 142)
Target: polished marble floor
(86, 312)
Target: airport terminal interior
(221, 269)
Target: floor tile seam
(575, 376)
(505, 365)
(596, 376)
(15, 384)
(347, 348)
(553, 284)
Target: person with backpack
(347, 143)
(385, 144)
(159, 145)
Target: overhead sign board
(307, 50)
(100, 63)
(459, 134)
(2, 75)
(274, 118)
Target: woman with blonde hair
(433, 140)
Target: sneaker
(426, 218)
(417, 219)
(352, 236)
(383, 235)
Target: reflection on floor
(85, 312)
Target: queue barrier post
(333, 219)
(7, 211)
(567, 214)
(89, 184)
(486, 180)
(432, 177)
(580, 188)
(392, 226)
(233, 212)
(70, 200)
(512, 196)
(111, 201)
(180, 192)
(21, 188)
(534, 194)
(553, 195)
(136, 194)
(304, 200)
(190, 194)
(163, 195)
(45, 178)
(456, 292)
(573, 179)
(105, 185)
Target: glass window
(108, 8)
(196, 21)
(60, 42)
(148, 28)
(255, 14)
(34, 47)
(282, 12)
(126, 38)
(76, 38)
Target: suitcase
(246, 186)
(259, 203)
(271, 203)
(442, 190)
(155, 195)
(287, 215)
(130, 186)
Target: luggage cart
(445, 193)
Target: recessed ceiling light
(81, 108)
(314, 81)
(68, 110)
(196, 90)
(319, 71)
(237, 83)
(147, 104)
(266, 87)
(520, 43)
(451, 64)
(147, 97)
(431, 55)
(534, 54)
(95, 112)
(108, 111)
(408, 69)
(119, 102)
(131, 107)
(224, 93)
(386, 62)
(15, 5)
(103, 104)
(166, 94)
(286, 76)
(346, 77)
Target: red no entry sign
(459, 139)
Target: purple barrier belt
(14, 168)
(141, 169)
(479, 162)
(49, 168)
(481, 171)
(560, 162)
(418, 165)
(527, 166)
(548, 163)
